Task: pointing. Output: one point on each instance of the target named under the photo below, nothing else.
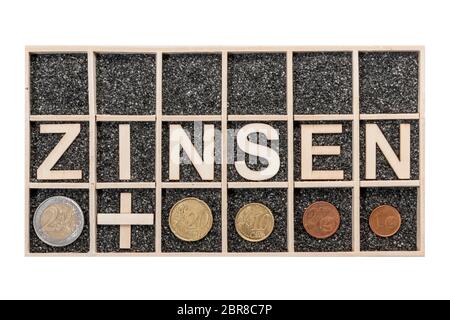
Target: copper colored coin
(321, 220)
(385, 221)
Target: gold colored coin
(254, 222)
(321, 220)
(190, 219)
(385, 221)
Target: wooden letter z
(45, 172)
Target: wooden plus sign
(125, 219)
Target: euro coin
(254, 222)
(58, 221)
(385, 221)
(190, 219)
(321, 220)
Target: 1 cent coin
(58, 221)
(190, 219)
(321, 220)
(385, 221)
(254, 222)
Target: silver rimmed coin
(58, 221)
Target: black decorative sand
(76, 156)
(257, 83)
(142, 140)
(326, 162)
(391, 130)
(405, 201)
(59, 84)
(256, 163)
(192, 84)
(212, 241)
(188, 173)
(389, 82)
(276, 201)
(341, 198)
(142, 236)
(322, 82)
(126, 84)
(37, 196)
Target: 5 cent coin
(190, 219)
(385, 221)
(254, 222)
(58, 221)
(321, 220)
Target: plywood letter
(124, 152)
(179, 139)
(374, 138)
(254, 149)
(308, 150)
(71, 132)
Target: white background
(226, 22)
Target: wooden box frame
(158, 118)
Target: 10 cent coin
(190, 219)
(321, 220)
(385, 221)
(58, 221)
(254, 222)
